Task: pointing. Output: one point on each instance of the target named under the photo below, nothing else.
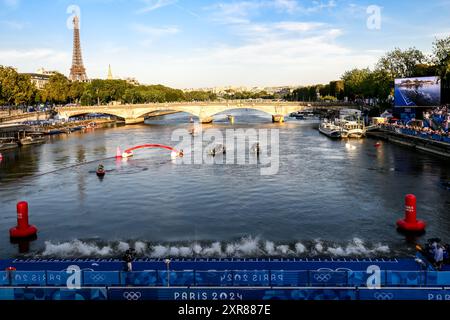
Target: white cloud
(155, 31)
(151, 5)
(286, 5)
(241, 11)
(31, 59)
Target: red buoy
(23, 229)
(377, 145)
(410, 223)
(118, 153)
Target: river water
(329, 198)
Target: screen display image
(418, 92)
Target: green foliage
(57, 89)
(401, 64)
(356, 82)
(15, 88)
(441, 57)
(245, 95)
(329, 98)
(337, 89)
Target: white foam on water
(270, 248)
(214, 250)
(318, 247)
(357, 248)
(123, 246)
(159, 251)
(246, 247)
(74, 248)
(300, 248)
(140, 247)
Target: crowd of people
(434, 126)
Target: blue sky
(203, 43)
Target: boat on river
(8, 143)
(27, 141)
(353, 129)
(331, 130)
(306, 117)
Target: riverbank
(33, 132)
(69, 127)
(426, 145)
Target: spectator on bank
(438, 256)
(128, 258)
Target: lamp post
(167, 262)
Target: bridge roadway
(27, 116)
(205, 111)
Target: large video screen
(418, 92)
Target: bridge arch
(169, 110)
(83, 113)
(232, 109)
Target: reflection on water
(326, 199)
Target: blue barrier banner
(404, 294)
(438, 278)
(53, 294)
(213, 294)
(4, 278)
(289, 278)
(251, 278)
(361, 278)
(29, 278)
(328, 278)
(214, 278)
(408, 279)
(144, 278)
(105, 278)
(58, 278)
(176, 278)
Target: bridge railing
(258, 278)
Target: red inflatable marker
(410, 223)
(23, 229)
(175, 153)
(118, 153)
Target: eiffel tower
(77, 72)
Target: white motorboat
(8, 143)
(354, 129)
(31, 140)
(331, 130)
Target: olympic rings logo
(97, 277)
(132, 296)
(322, 277)
(383, 296)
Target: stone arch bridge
(136, 113)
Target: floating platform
(223, 279)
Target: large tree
(56, 90)
(441, 56)
(401, 63)
(354, 81)
(15, 88)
